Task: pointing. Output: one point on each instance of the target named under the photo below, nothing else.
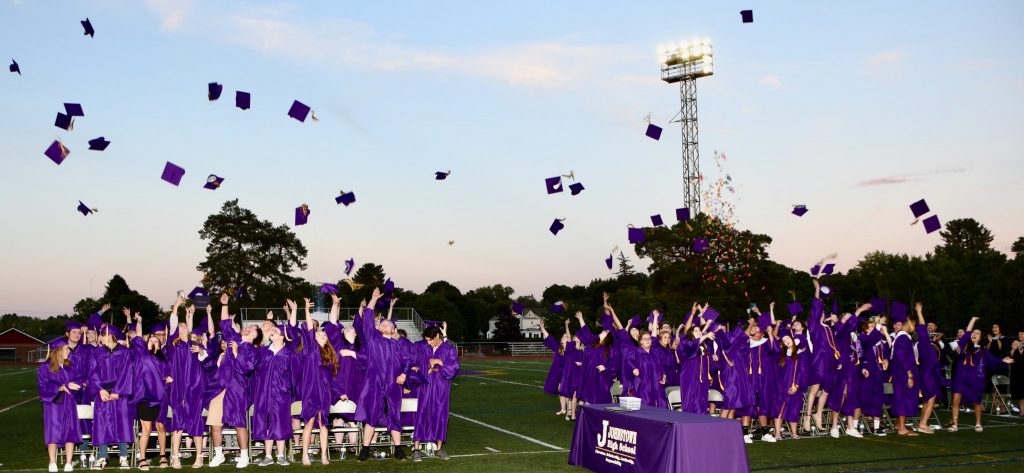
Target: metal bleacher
(528, 348)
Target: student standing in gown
(319, 364)
(694, 355)
(734, 375)
(186, 392)
(554, 377)
(380, 400)
(761, 367)
(874, 363)
(438, 363)
(60, 413)
(345, 386)
(845, 397)
(233, 368)
(645, 374)
(929, 374)
(791, 381)
(271, 418)
(823, 358)
(970, 378)
(570, 382)
(600, 365)
(151, 374)
(112, 421)
(905, 379)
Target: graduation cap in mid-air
(747, 16)
(556, 226)
(172, 173)
(213, 182)
(349, 265)
(554, 184)
(442, 175)
(389, 286)
(517, 307)
(87, 26)
(898, 312)
(214, 90)
(919, 208)
(932, 224)
(700, 244)
(794, 308)
(74, 110)
(799, 210)
(57, 152)
(85, 209)
(242, 99)
(575, 188)
(197, 292)
(558, 307)
(240, 292)
(346, 198)
(828, 269)
(653, 131)
(683, 214)
(299, 111)
(301, 214)
(608, 261)
(98, 144)
(656, 220)
(879, 305)
(635, 235)
(327, 288)
(64, 122)
(14, 67)
(710, 315)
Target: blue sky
(855, 110)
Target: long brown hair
(329, 357)
(56, 366)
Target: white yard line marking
(18, 372)
(502, 381)
(499, 429)
(457, 456)
(18, 404)
(489, 449)
(501, 368)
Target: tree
(118, 294)
(371, 276)
(506, 329)
(964, 235)
(625, 269)
(244, 250)
(1018, 247)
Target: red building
(16, 345)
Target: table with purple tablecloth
(656, 440)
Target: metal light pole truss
(687, 118)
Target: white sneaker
(768, 438)
(978, 428)
(67, 467)
(747, 439)
(124, 463)
(52, 468)
(853, 433)
(242, 462)
(834, 433)
(218, 459)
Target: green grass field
(502, 421)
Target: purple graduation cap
(825, 290)
(747, 15)
(301, 214)
(656, 220)
(95, 321)
(879, 305)
(518, 307)
(198, 291)
(56, 343)
(608, 261)
(653, 131)
(98, 144)
(72, 325)
(299, 111)
(764, 321)
(556, 226)
(898, 312)
(349, 265)
(636, 235)
(700, 245)
(932, 223)
(682, 214)
(575, 188)
(158, 327)
(172, 173)
(635, 321)
(240, 292)
(346, 198)
(919, 208)
(214, 90)
(794, 308)
(389, 286)
(553, 184)
(828, 269)
(87, 25)
(326, 288)
(84, 209)
(74, 110)
(64, 122)
(558, 307)
(57, 152)
(815, 270)
(441, 175)
(14, 67)
(382, 304)
(242, 100)
(213, 182)
(835, 307)
(710, 314)
(799, 210)
(431, 323)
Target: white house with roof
(529, 325)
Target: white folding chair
(340, 408)
(409, 404)
(85, 412)
(998, 381)
(715, 396)
(294, 446)
(675, 400)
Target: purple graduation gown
(380, 400)
(904, 399)
(349, 381)
(824, 356)
(60, 413)
(557, 366)
(570, 381)
(186, 392)
(433, 396)
(763, 365)
(233, 375)
(315, 378)
(150, 373)
(970, 377)
(595, 386)
(112, 421)
(733, 359)
(694, 375)
(271, 394)
(667, 358)
(929, 372)
(647, 386)
(871, 390)
(843, 394)
(792, 374)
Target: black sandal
(163, 463)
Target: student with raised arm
(845, 398)
(151, 376)
(694, 354)
(904, 376)
(761, 369)
(186, 392)
(823, 360)
(600, 365)
(60, 412)
(570, 381)
(271, 392)
(380, 400)
(112, 421)
(970, 378)
(234, 367)
(873, 363)
(929, 374)
(319, 364)
(646, 376)
(345, 386)
(554, 377)
(438, 363)
(734, 374)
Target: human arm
(335, 308)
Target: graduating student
(318, 363)
(60, 413)
(600, 365)
(569, 385)
(904, 374)
(186, 392)
(874, 363)
(554, 377)
(792, 379)
(112, 420)
(645, 375)
(845, 398)
(694, 355)
(735, 374)
(823, 357)
(380, 400)
(970, 377)
(761, 367)
(346, 385)
(233, 367)
(929, 374)
(665, 351)
(271, 394)
(151, 376)
(438, 363)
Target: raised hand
(105, 307)
(335, 300)
(444, 329)
(127, 312)
(917, 307)
(223, 299)
(309, 303)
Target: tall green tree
(243, 250)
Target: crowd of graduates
(772, 373)
(191, 378)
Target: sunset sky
(855, 109)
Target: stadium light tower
(685, 63)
